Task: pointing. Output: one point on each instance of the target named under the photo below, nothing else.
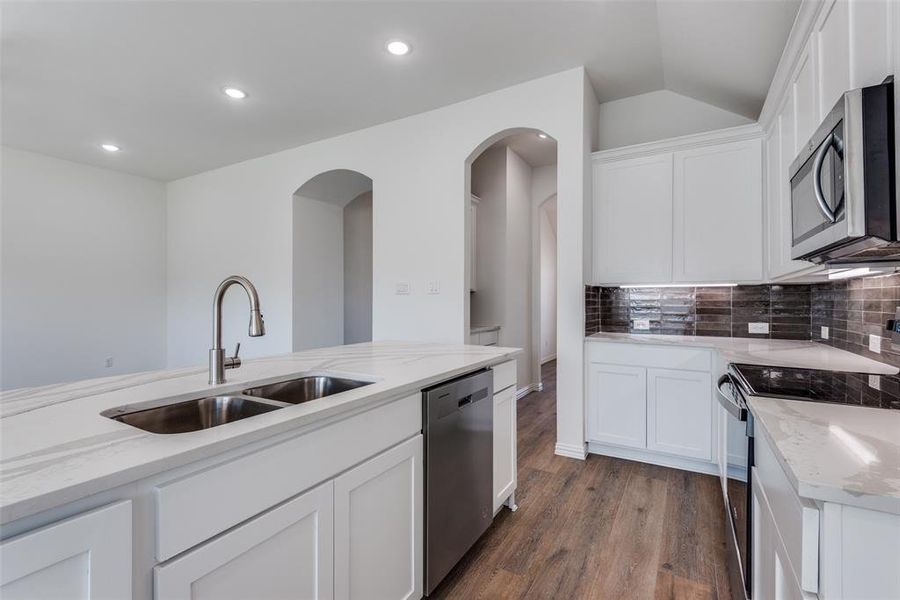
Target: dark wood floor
(600, 528)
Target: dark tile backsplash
(851, 309)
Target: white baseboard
(571, 451)
(653, 458)
(534, 387)
(548, 359)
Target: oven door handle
(831, 214)
(727, 400)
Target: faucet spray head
(257, 325)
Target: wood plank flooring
(602, 528)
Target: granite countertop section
(55, 447)
(483, 329)
(799, 354)
(835, 453)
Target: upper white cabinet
(718, 213)
(633, 220)
(687, 210)
(806, 99)
(378, 520)
(284, 553)
(87, 556)
(832, 45)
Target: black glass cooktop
(820, 386)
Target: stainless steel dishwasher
(459, 429)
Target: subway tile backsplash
(851, 309)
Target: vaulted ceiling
(148, 75)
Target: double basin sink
(203, 413)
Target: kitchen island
(83, 495)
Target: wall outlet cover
(824, 333)
(875, 381)
(108, 362)
(434, 287)
(641, 324)
(875, 343)
(758, 327)
(403, 288)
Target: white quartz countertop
(780, 353)
(834, 452)
(55, 447)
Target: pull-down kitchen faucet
(218, 362)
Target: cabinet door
(806, 97)
(832, 35)
(617, 405)
(718, 213)
(378, 526)
(88, 556)
(286, 552)
(504, 446)
(633, 220)
(679, 413)
(870, 41)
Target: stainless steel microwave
(843, 204)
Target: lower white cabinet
(87, 556)
(378, 520)
(617, 405)
(679, 413)
(286, 552)
(504, 445)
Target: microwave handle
(831, 214)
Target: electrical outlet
(758, 327)
(875, 343)
(875, 382)
(641, 324)
(403, 288)
(108, 362)
(434, 287)
(824, 333)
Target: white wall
(358, 269)
(543, 187)
(318, 278)
(659, 115)
(547, 231)
(517, 326)
(83, 271)
(418, 168)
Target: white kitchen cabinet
(805, 97)
(718, 213)
(617, 405)
(679, 413)
(832, 44)
(504, 445)
(871, 29)
(633, 220)
(87, 556)
(286, 552)
(378, 519)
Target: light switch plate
(824, 333)
(403, 288)
(875, 381)
(759, 327)
(434, 287)
(875, 343)
(642, 324)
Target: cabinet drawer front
(504, 376)
(660, 357)
(286, 552)
(198, 506)
(796, 519)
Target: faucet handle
(237, 350)
(233, 362)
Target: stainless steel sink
(304, 389)
(193, 415)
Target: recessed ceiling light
(110, 147)
(397, 47)
(235, 93)
(543, 135)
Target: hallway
(602, 528)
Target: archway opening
(510, 176)
(332, 260)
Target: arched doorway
(332, 260)
(508, 176)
